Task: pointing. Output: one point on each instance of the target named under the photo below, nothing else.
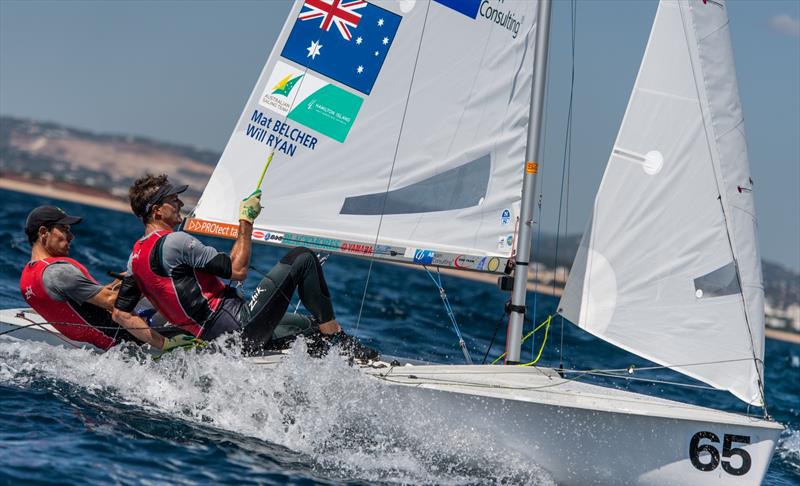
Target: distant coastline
(64, 192)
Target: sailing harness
(187, 298)
(67, 311)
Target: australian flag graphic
(346, 40)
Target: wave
(789, 449)
(344, 424)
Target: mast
(518, 296)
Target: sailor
(183, 278)
(63, 291)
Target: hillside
(59, 156)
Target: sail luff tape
(531, 167)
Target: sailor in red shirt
(182, 278)
(62, 291)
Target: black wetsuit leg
(299, 269)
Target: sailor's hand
(250, 207)
(181, 341)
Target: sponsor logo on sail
(493, 11)
(465, 261)
(352, 53)
(285, 85)
(466, 7)
(493, 264)
(204, 227)
(359, 248)
(275, 237)
(424, 256)
(308, 241)
(387, 250)
(443, 260)
(309, 101)
(505, 217)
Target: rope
(494, 336)
(544, 341)
(21, 315)
(449, 309)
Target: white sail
(669, 267)
(406, 140)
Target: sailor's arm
(122, 313)
(249, 209)
(241, 251)
(105, 298)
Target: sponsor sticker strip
(419, 256)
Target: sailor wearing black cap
(62, 290)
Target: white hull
(579, 433)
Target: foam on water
(350, 426)
(789, 449)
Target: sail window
(718, 283)
(458, 188)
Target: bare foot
(330, 327)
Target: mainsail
(398, 129)
(669, 266)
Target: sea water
(69, 416)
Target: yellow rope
(544, 341)
(264, 172)
(543, 324)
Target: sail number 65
(728, 451)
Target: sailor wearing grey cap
(62, 290)
(183, 278)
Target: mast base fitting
(505, 283)
(511, 363)
(509, 308)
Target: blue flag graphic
(343, 40)
(466, 7)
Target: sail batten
(669, 263)
(420, 145)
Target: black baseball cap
(46, 216)
(162, 193)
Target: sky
(181, 71)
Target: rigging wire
(449, 309)
(494, 336)
(565, 174)
(394, 161)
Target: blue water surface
(72, 417)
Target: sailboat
(408, 131)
